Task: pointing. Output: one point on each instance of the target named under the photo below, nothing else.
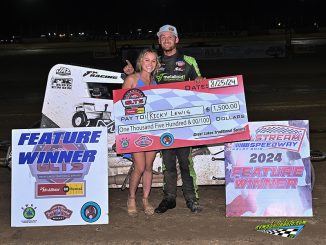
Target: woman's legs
(143, 167)
(148, 172)
(147, 181)
(139, 166)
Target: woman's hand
(128, 69)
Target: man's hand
(128, 69)
(199, 79)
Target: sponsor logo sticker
(58, 212)
(134, 101)
(63, 71)
(124, 143)
(90, 212)
(143, 141)
(285, 228)
(29, 212)
(167, 139)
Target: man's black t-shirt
(177, 68)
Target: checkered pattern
(176, 98)
(283, 232)
(278, 129)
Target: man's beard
(168, 49)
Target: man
(175, 67)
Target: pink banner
(180, 114)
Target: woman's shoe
(131, 206)
(148, 208)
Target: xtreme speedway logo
(275, 136)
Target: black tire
(6, 161)
(4, 144)
(313, 177)
(317, 156)
(79, 119)
(8, 157)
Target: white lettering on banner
(215, 133)
(223, 107)
(177, 123)
(224, 82)
(181, 112)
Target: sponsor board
(270, 175)
(55, 172)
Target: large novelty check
(180, 114)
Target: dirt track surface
(276, 89)
(177, 226)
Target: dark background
(32, 18)
(288, 88)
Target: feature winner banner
(59, 177)
(270, 175)
(180, 114)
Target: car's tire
(313, 177)
(79, 119)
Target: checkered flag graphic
(278, 130)
(290, 232)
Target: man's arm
(194, 71)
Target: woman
(146, 66)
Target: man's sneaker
(165, 205)
(194, 206)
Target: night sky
(34, 17)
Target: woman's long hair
(141, 56)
